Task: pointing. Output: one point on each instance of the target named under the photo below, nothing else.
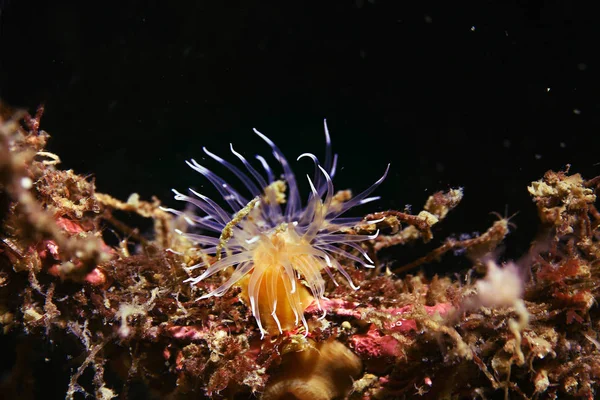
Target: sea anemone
(277, 247)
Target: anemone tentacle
(274, 250)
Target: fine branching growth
(125, 320)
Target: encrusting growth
(278, 247)
(123, 317)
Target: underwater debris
(124, 318)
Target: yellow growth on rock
(320, 372)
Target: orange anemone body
(279, 296)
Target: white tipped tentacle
(295, 245)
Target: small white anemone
(278, 247)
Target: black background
(487, 95)
(483, 95)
